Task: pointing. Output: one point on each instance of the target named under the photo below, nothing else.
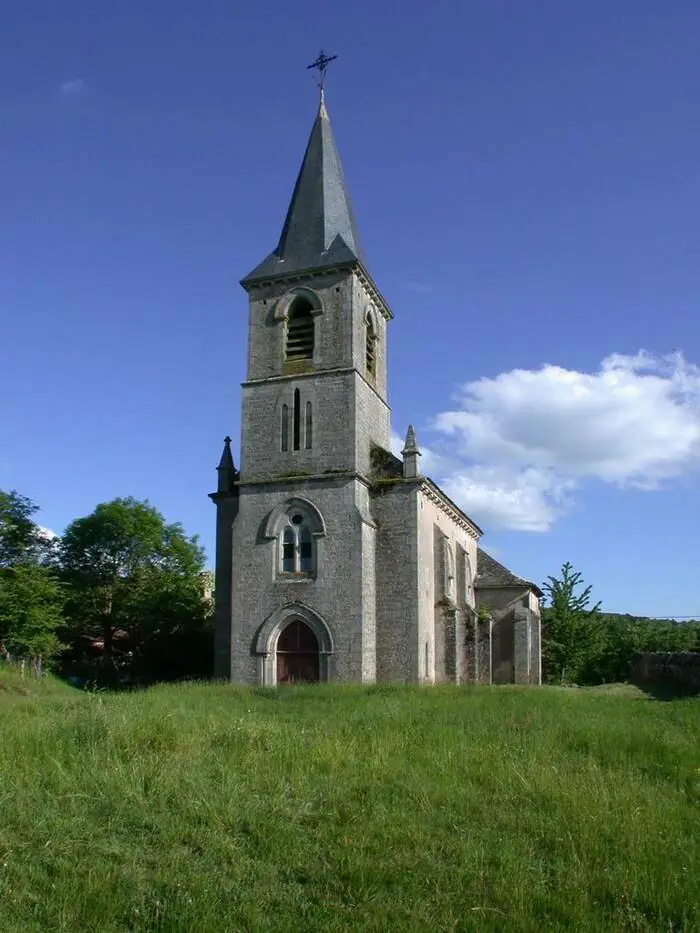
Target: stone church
(335, 559)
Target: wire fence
(24, 666)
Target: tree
(31, 603)
(21, 539)
(573, 634)
(134, 579)
(31, 599)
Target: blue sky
(526, 181)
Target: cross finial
(322, 63)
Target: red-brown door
(297, 655)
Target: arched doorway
(297, 654)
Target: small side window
(285, 427)
(296, 420)
(288, 548)
(308, 434)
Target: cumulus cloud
(74, 87)
(515, 447)
(46, 533)
(520, 500)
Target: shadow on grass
(666, 692)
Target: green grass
(210, 808)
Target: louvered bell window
(370, 346)
(300, 331)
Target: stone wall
(395, 507)
(678, 669)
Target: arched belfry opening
(370, 346)
(300, 330)
(298, 655)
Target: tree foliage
(21, 539)
(31, 598)
(31, 603)
(135, 589)
(573, 632)
(581, 644)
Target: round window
(297, 519)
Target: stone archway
(297, 654)
(294, 631)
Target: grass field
(210, 808)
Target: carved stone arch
(371, 340)
(267, 637)
(371, 312)
(299, 291)
(279, 515)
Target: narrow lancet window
(308, 434)
(300, 331)
(370, 346)
(285, 427)
(296, 428)
(468, 582)
(449, 569)
(288, 551)
(305, 550)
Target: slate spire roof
(320, 227)
(226, 468)
(226, 462)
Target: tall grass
(211, 808)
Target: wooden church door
(297, 655)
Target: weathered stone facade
(335, 559)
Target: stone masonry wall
(335, 595)
(680, 669)
(395, 509)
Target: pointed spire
(320, 228)
(410, 446)
(411, 455)
(228, 474)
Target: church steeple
(320, 228)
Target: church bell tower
(295, 534)
(316, 334)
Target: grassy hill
(209, 808)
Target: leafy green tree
(134, 579)
(626, 636)
(21, 539)
(31, 603)
(31, 599)
(573, 635)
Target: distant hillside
(626, 617)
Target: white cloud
(74, 87)
(521, 500)
(516, 446)
(46, 533)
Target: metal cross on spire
(322, 63)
